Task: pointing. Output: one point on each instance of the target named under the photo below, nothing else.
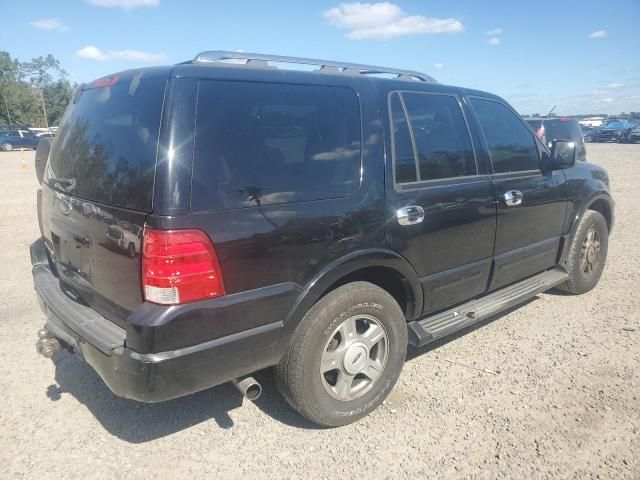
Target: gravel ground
(559, 399)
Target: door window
(441, 144)
(511, 144)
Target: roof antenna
(551, 111)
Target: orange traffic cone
(23, 165)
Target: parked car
(124, 237)
(634, 135)
(616, 130)
(589, 134)
(316, 222)
(549, 129)
(12, 139)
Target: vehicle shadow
(136, 422)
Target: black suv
(317, 222)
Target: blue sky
(583, 56)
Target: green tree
(33, 93)
(40, 71)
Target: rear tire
(587, 253)
(346, 355)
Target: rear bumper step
(422, 332)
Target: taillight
(179, 266)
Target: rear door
(99, 179)
(441, 212)
(532, 204)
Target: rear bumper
(149, 377)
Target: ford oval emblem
(65, 206)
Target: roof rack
(328, 66)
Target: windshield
(105, 149)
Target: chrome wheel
(354, 357)
(590, 253)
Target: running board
(444, 323)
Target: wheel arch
(604, 207)
(382, 267)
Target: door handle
(410, 215)
(513, 198)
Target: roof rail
(261, 60)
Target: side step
(444, 323)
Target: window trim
(484, 138)
(398, 186)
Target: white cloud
(124, 4)
(438, 66)
(384, 20)
(94, 53)
(91, 53)
(615, 85)
(493, 41)
(494, 32)
(53, 24)
(598, 34)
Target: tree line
(34, 93)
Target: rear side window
(403, 154)
(105, 148)
(263, 144)
(511, 144)
(436, 137)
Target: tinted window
(511, 144)
(404, 158)
(264, 144)
(441, 136)
(559, 129)
(105, 149)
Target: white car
(124, 237)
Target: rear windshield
(562, 130)
(262, 144)
(105, 149)
(557, 129)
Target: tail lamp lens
(179, 266)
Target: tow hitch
(47, 345)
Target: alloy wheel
(354, 357)
(590, 252)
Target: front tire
(345, 356)
(587, 253)
(7, 147)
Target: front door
(441, 213)
(532, 204)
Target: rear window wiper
(67, 184)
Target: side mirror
(563, 155)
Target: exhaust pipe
(47, 346)
(248, 387)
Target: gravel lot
(562, 401)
